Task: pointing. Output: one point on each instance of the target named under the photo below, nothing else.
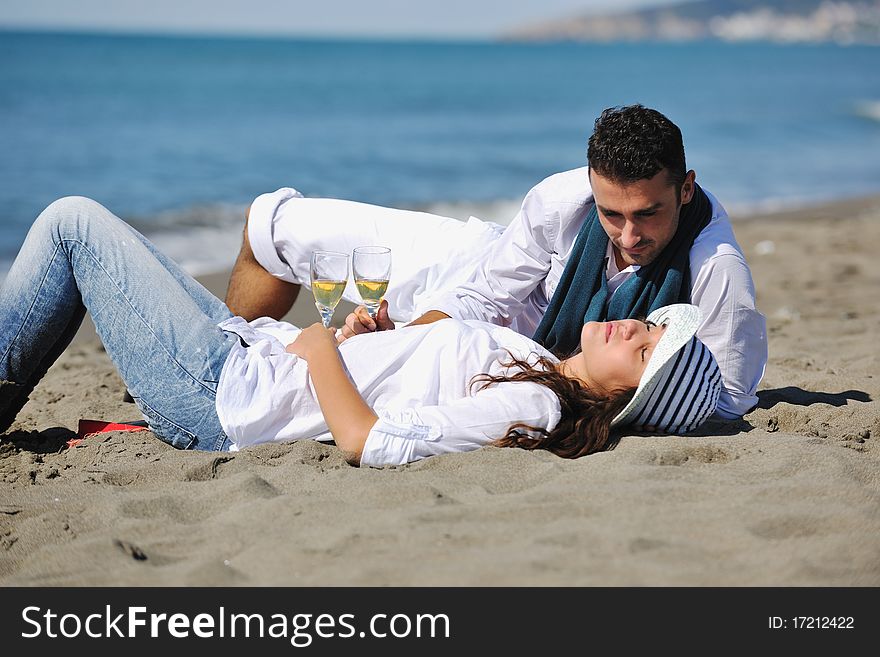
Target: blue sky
(372, 18)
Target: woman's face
(614, 354)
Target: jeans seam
(135, 311)
(192, 436)
(33, 303)
(221, 439)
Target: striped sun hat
(679, 388)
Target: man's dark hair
(635, 142)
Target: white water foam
(868, 109)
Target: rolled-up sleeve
(261, 231)
(403, 435)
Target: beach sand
(788, 496)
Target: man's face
(640, 218)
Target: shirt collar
(611, 269)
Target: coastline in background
(178, 134)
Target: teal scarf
(582, 293)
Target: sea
(178, 134)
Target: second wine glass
(371, 267)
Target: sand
(787, 496)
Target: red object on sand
(92, 427)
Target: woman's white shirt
(416, 379)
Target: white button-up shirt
(514, 281)
(416, 379)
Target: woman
(207, 380)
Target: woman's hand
(313, 340)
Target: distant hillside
(814, 21)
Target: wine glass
(371, 266)
(329, 275)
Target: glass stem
(326, 315)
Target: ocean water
(177, 135)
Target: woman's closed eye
(649, 325)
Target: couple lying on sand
(592, 252)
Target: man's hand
(313, 340)
(360, 322)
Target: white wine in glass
(329, 275)
(371, 267)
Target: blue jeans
(158, 325)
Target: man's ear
(687, 187)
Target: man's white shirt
(513, 283)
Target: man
(619, 238)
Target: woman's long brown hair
(585, 425)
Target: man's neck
(618, 259)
